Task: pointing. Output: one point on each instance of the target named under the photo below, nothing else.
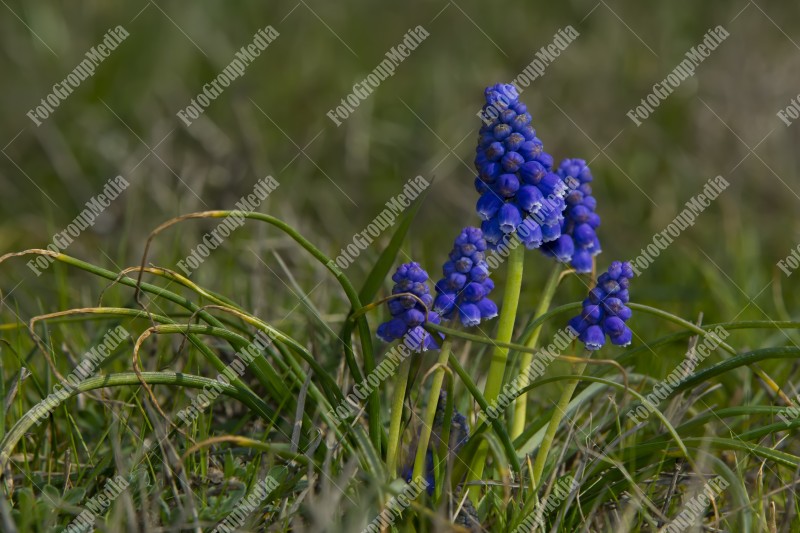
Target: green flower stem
(497, 368)
(397, 416)
(430, 410)
(500, 429)
(558, 415)
(520, 406)
(505, 329)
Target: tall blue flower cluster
(605, 311)
(519, 192)
(578, 242)
(408, 313)
(465, 287)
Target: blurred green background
(421, 121)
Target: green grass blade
(125, 379)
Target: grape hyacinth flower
(604, 311)
(408, 313)
(578, 242)
(519, 192)
(464, 290)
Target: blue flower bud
(470, 250)
(464, 265)
(584, 236)
(396, 306)
(491, 231)
(479, 272)
(393, 329)
(596, 295)
(406, 301)
(610, 286)
(488, 285)
(591, 313)
(552, 185)
(522, 119)
(612, 305)
(509, 218)
(469, 314)
(444, 303)
(474, 292)
(593, 338)
(529, 133)
(529, 198)
(574, 198)
(578, 324)
(501, 131)
(456, 281)
(627, 271)
(487, 308)
(530, 234)
(613, 326)
(581, 261)
(404, 285)
(562, 248)
(624, 338)
(507, 185)
(490, 171)
(550, 232)
(530, 150)
(545, 159)
(413, 317)
(512, 161)
(532, 173)
(514, 142)
(580, 214)
(488, 206)
(501, 95)
(495, 151)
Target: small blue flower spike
(605, 311)
(463, 291)
(408, 313)
(578, 242)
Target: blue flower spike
(605, 311)
(519, 192)
(464, 289)
(578, 242)
(408, 312)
